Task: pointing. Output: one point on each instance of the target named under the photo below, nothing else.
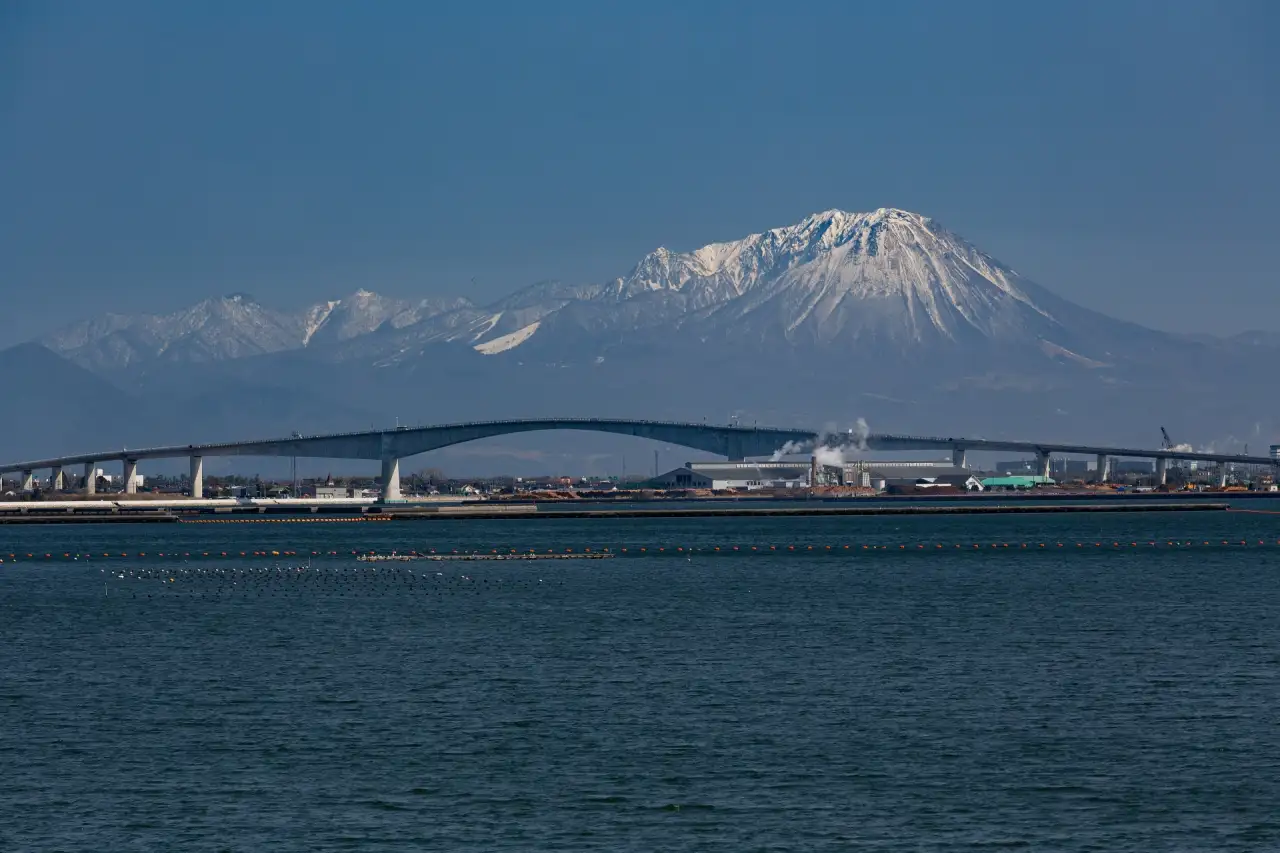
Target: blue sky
(154, 154)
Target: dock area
(136, 517)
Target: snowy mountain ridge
(231, 327)
(836, 280)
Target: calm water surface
(1107, 697)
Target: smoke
(829, 456)
(834, 448)
(860, 433)
(1182, 448)
(791, 448)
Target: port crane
(1166, 443)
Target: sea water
(1046, 682)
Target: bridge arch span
(727, 441)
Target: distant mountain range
(840, 281)
(883, 315)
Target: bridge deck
(732, 441)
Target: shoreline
(708, 512)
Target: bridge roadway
(733, 442)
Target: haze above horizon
(154, 155)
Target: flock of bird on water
(295, 581)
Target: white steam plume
(829, 456)
(791, 448)
(833, 446)
(861, 432)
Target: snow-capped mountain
(888, 282)
(836, 281)
(888, 274)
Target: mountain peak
(838, 275)
(835, 226)
(871, 217)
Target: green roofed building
(1011, 483)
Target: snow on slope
(508, 341)
(358, 314)
(315, 317)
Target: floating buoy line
(322, 519)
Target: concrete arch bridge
(732, 442)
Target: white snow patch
(1053, 350)
(486, 325)
(316, 317)
(508, 341)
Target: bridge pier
(959, 457)
(390, 479)
(197, 476)
(1043, 461)
(1162, 471)
(1104, 468)
(131, 476)
(1222, 476)
(90, 478)
(28, 481)
(56, 480)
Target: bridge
(732, 442)
(1044, 451)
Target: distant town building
(332, 492)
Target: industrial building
(748, 476)
(884, 476)
(721, 476)
(1016, 483)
